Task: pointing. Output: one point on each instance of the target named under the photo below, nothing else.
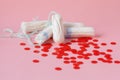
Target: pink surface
(16, 64)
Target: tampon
(69, 32)
(57, 28)
(79, 32)
(44, 35)
(28, 27)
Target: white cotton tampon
(28, 27)
(69, 32)
(43, 35)
(57, 28)
(79, 32)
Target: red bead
(54, 53)
(36, 51)
(59, 57)
(73, 61)
(102, 53)
(109, 50)
(113, 43)
(103, 44)
(88, 54)
(65, 54)
(95, 40)
(117, 61)
(58, 68)
(76, 67)
(80, 62)
(80, 57)
(109, 61)
(74, 51)
(96, 47)
(27, 48)
(100, 59)
(36, 61)
(44, 55)
(22, 44)
(66, 62)
(73, 57)
(47, 44)
(96, 53)
(45, 50)
(61, 44)
(37, 46)
(66, 58)
(86, 57)
(94, 62)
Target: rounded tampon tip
(57, 28)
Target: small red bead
(80, 62)
(66, 58)
(96, 53)
(102, 53)
(96, 47)
(100, 59)
(58, 68)
(27, 48)
(36, 51)
(86, 57)
(45, 50)
(44, 55)
(94, 62)
(79, 57)
(54, 53)
(66, 62)
(36, 61)
(74, 51)
(73, 61)
(117, 61)
(72, 57)
(103, 44)
(59, 57)
(37, 46)
(109, 50)
(22, 44)
(76, 67)
(113, 43)
(95, 40)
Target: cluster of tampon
(56, 28)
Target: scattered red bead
(113, 43)
(95, 40)
(58, 68)
(103, 44)
(27, 48)
(94, 62)
(37, 46)
(22, 44)
(66, 62)
(36, 61)
(44, 55)
(117, 61)
(36, 51)
(109, 50)
(76, 67)
(70, 55)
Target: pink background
(16, 64)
